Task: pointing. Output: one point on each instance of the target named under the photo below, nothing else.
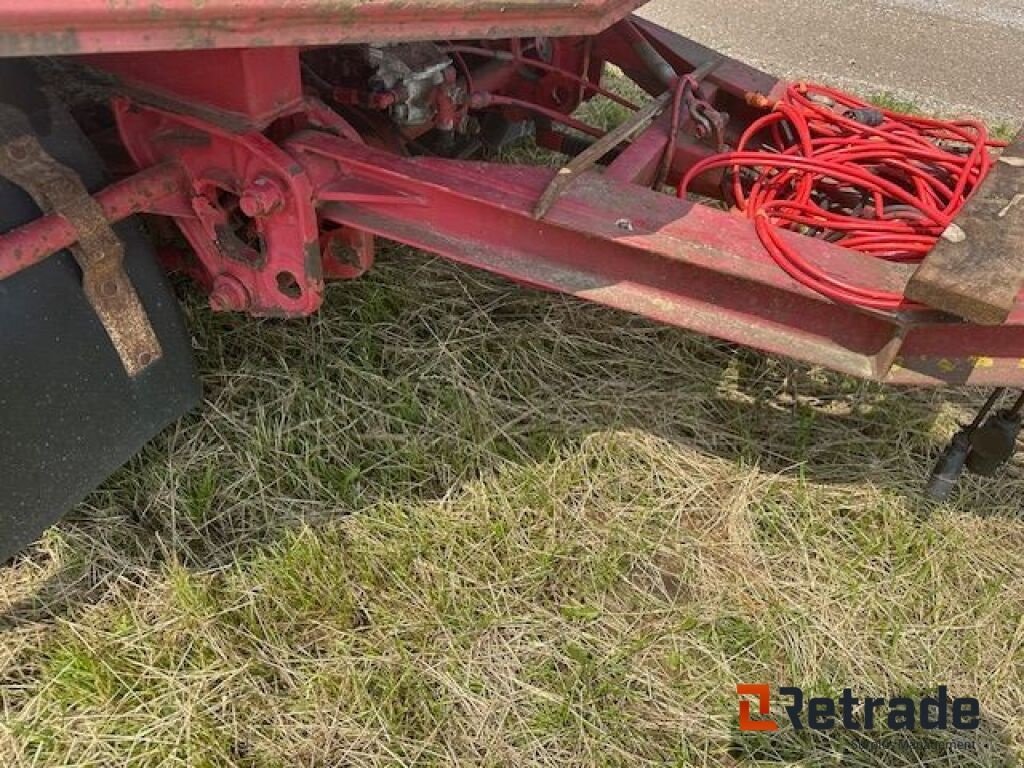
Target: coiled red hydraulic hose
(831, 166)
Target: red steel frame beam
(606, 240)
(52, 27)
(674, 261)
(609, 242)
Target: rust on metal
(586, 159)
(55, 188)
(621, 133)
(154, 190)
(977, 269)
(276, 191)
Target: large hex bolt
(262, 198)
(229, 295)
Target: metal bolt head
(229, 295)
(17, 151)
(262, 198)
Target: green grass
(890, 101)
(894, 103)
(452, 521)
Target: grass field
(454, 521)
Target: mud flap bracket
(55, 188)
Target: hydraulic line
(502, 55)
(484, 100)
(825, 164)
(647, 53)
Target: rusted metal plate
(98, 251)
(977, 269)
(50, 27)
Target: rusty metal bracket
(586, 159)
(622, 132)
(55, 188)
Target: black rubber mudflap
(69, 414)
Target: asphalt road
(949, 56)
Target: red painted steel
(673, 261)
(251, 220)
(276, 191)
(265, 83)
(155, 189)
(52, 27)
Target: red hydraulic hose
(834, 167)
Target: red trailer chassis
(280, 167)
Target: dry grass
(453, 521)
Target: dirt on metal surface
(59, 27)
(977, 269)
